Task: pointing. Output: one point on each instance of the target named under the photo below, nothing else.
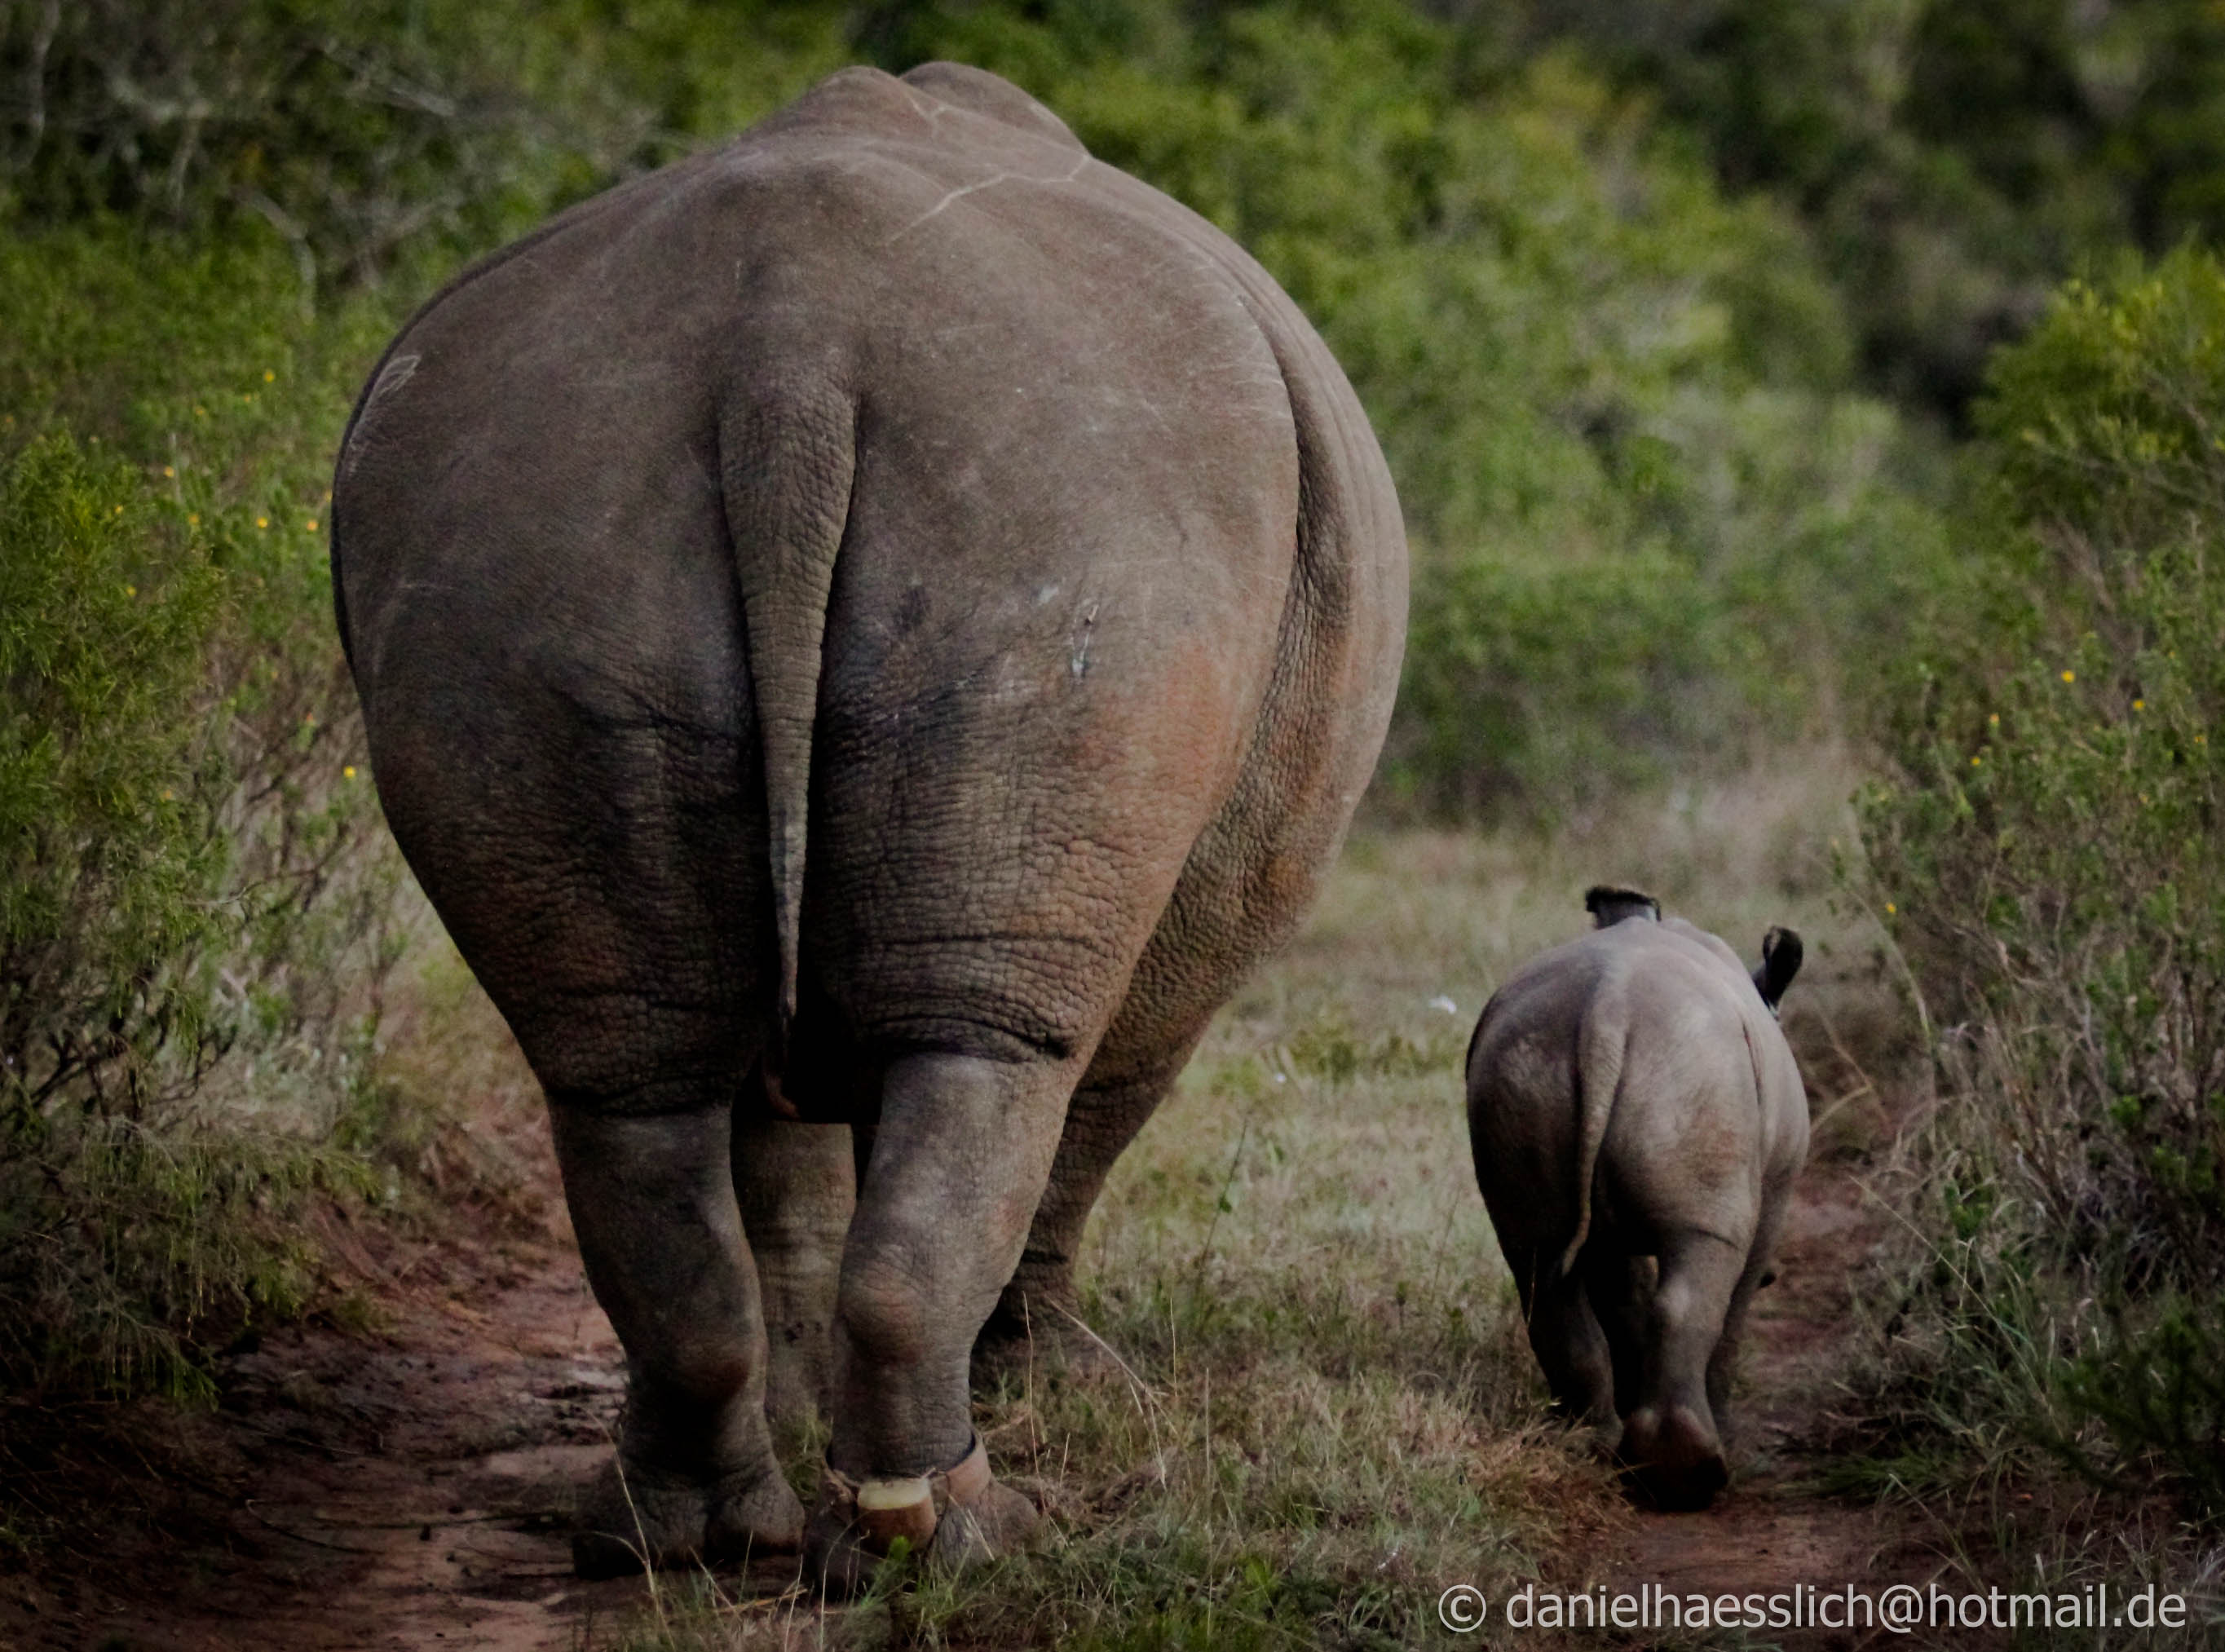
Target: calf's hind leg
(1565, 1334)
(1670, 1441)
(1723, 1362)
(1620, 1287)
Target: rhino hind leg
(1671, 1448)
(1566, 1335)
(1723, 1362)
(1036, 1326)
(797, 1188)
(1621, 1286)
(960, 1158)
(653, 1203)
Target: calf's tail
(1601, 1042)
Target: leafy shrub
(1953, 160)
(193, 912)
(364, 134)
(2046, 851)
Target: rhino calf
(1637, 1120)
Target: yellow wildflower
(2070, 676)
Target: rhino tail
(1600, 1043)
(786, 468)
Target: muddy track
(408, 1490)
(1774, 1530)
(403, 1491)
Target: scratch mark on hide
(991, 181)
(1080, 661)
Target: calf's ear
(1781, 952)
(1609, 906)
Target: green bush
(2046, 851)
(195, 908)
(367, 135)
(1953, 160)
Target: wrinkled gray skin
(889, 619)
(1637, 1121)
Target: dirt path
(1773, 1530)
(407, 1491)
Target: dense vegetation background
(1724, 354)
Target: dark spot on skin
(911, 613)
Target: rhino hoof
(635, 1518)
(998, 1522)
(1673, 1459)
(1687, 1489)
(1051, 1343)
(955, 1519)
(753, 1518)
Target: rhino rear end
(888, 619)
(1637, 1122)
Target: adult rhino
(1637, 1121)
(882, 623)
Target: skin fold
(1637, 1121)
(866, 636)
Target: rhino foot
(999, 1521)
(636, 1516)
(958, 1518)
(1674, 1459)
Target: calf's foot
(1673, 1457)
